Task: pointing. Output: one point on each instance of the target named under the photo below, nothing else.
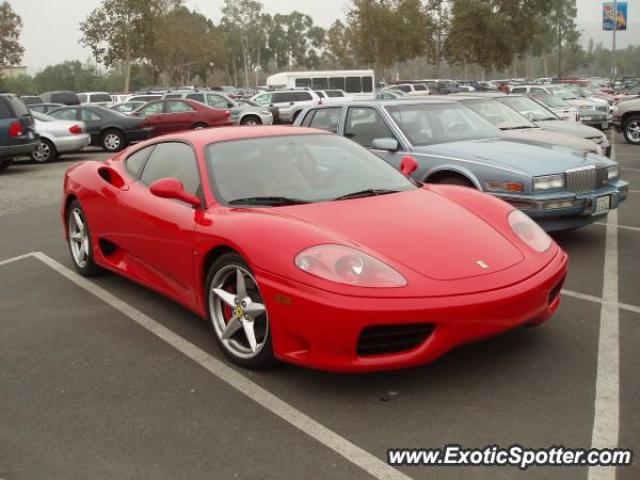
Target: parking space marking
(592, 298)
(623, 227)
(630, 168)
(632, 191)
(606, 418)
(366, 461)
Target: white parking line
(606, 418)
(623, 227)
(592, 298)
(351, 452)
(630, 168)
(632, 191)
(15, 259)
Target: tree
(239, 20)
(120, 31)
(338, 46)
(562, 15)
(11, 50)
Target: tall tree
(11, 50)
(120, 31)
(338, 46)
(562, 15)
(239, 19)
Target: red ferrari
(301, 246)
(176, 115)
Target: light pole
(613, 48)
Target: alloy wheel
(78, 238)
(112, 141)
(633, 131)
(42, 153)
(238, 313)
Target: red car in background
(175, 115)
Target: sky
(50, 27)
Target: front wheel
(113, 141)
(251, 120)
(237, 313)
(631, 130)
(80, 245)
(455, 180)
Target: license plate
(602, 205)
(605, 125)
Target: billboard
(608, 16)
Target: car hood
(417, 230)
(536, 136)
(570, 128)
(515, 155)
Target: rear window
(173, 95)
(101, 97)
(320, 94)
(18, 106)
(5, 111)
(303, 96)
(334, 93)
(67, 98)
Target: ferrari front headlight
(529, 231)
(349, 266)
(548, 182)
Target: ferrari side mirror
(172, 188)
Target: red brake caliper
(227, 310)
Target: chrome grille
(603, 108)
(586, 179)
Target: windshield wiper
(519, 127)
(270, 201)
(369, 192)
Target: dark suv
(17, 136)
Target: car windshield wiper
(369, 192)
(517, 127)
(270, 201)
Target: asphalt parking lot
(105, 379)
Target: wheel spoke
(232, 327)
(78, 219)
(226, 297)
(241, 289)
(255, 309)
(247, 326)
(76, 236)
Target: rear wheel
(251, 120)
(631, 130)
(80, 245)
(113, 141)
(44, 152)
(237, 313)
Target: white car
(288, 102)
(96, 98)
(333, 96)
(58, 136)
(412, 89)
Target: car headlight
(614, 108)
(346, 265)
(548, 182)
(503, 186)
(529, 231)
(613, 172)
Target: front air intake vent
(381, 339)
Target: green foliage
(10, 26)
(20, 85)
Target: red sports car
(176, 115)
(302, 246)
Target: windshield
(529, 108)
(304, 168)
(553, 101)
(500, 115)
(564, 94)
(427, 124)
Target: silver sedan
(58, 136)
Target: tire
(251, 120)
(222, 282)
(199, 126)
(80, 248)
(113, 140)
(456, 180)
(631, 130)
(45, 152)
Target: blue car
(558, 187)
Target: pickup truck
(17, 135)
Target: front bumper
(567, 218)
(320, 329)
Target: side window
(198, 97)
(367, 84)
(265, 99)
(5, 111)
(89, 116)
(301, 96)
(135, 162)
(303, 82)
(179, 107)
(334, 93)
(284, 97)
(353, 85)
(217, 101)
(67, 114)
(320, 83)
(537, 90)
(326, 119)
(173, 160)
(82, 97)
(404, 88)
(337, 83)
(363, 125)
(518, 90)
(152, 109)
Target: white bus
(359, 84)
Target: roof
(388, 102)
(220, 134)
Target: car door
(158, 232)
(153, 112)
(181, 116)
(93, 121)
(284, 102)
(363, 125)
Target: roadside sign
(608, 16)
